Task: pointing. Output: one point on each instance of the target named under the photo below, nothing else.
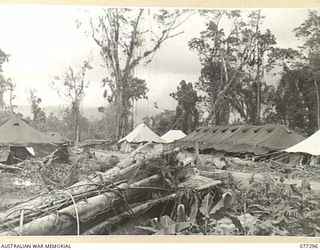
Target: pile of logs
(144, 180)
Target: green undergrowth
(267, 207)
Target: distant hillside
(92, 113)
(89, 112)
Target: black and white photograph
(159, 121)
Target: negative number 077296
(314, 246)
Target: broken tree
(105, 198)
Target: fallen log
(142, 208)
(216, 175)
(55, 214)
(9, 168)
(243, 162)
(64, 220)
(120, 172)
(35, 206)
(198, 183)
(145, 152)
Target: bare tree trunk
(318, 104)
(258, 91)
(123, 120)
(132, 116)
(258, 73)
(77, 124)
(11, 99)
(2, 90)
(122, 113)
(258, 101)
(77, 133)
(114, 49)
(118, 115)
(125, 115)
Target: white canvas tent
(140, 135)
(173, 135)
(311, 145)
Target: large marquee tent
(242, 138)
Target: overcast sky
(44, 40)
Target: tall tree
(125, 42)
(232, 58)
(72, 130)
(39, 115)
(72, 85)
(6, 84)
(187, 115)
(55, 124)
(294, 100)
(162, 122)
(309, 30)
(11, 87)
(284, 62)
(106, 127)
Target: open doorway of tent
(18, 154)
